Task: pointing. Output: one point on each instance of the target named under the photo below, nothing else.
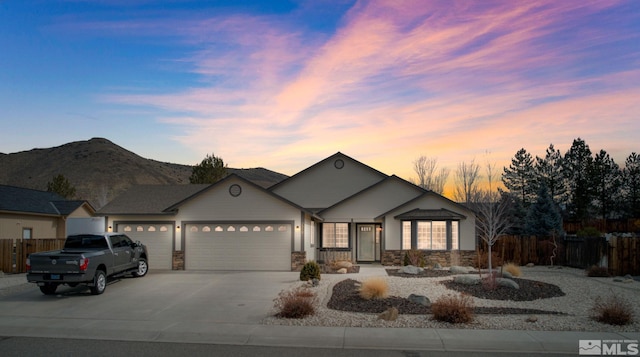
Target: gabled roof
(389, 178)
(332, 157)
(429, 214)
(150, 199)
(177, 204)
(67, 207)
(26, 200)
(428, 193)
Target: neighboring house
(33, 214)
(338, 207)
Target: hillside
(100, 170)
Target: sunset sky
(284, 84)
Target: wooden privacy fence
(14, 252)
(622, 253)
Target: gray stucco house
(336, 207)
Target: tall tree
(61, 186)
(519, 177)
(577, 165)
(429, 177)
(548, 171)
(210, 170)
(492, 213)
(606, 183)
(467, 179)
(543, 217)
(631, 185)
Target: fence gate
(14, 252)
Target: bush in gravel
(453, 308)
(596, 271)
(310, 270)
(512, 269)
(374, 288)
(414, 257)
(481, 260)
(614, 310)
(295, 304)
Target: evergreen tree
(548, 171)
(576, 167)
(606, 183)
(519, 178)
(61, 186)
(631, 185)
(543, 218)
(210, 170)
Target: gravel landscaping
(567, 297)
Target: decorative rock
(618, 280)
(628, 277)
(343, 264)
(342, 271)
(506, 274)
(315, 282)
(532, 319)
(530, 265)
(410, 269)
(437, 266)
(458, 270)
(507, 283)
(420, 299)
(467, 279)
(390, 314)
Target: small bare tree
(429, 177)
(492, 209)
(467, 177)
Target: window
(219, 229)
(193, 229)
(439, 235)
(164, 229)
(206, 229)
(406, 235)
(231, 229)
(139, 229)
(269, 229)
(335, 235)
(424, 235)
(27, 233)
(244, 229)
(454, 235)
(151, 229)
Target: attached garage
(158, 237)
(238, 246)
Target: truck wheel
(143, 268)
(99, 283)
(49, 288)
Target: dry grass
(512, 269)
(596, 271)
(374, 288)
(614, 310)
(295, 304)
(453, 308)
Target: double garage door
(158, 238)
(238, 246)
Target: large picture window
(430, 235)
(335, 235)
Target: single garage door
(157, 237)
(238, 246)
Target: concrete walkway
(199, 307)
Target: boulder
(458, 270)
(437, 266)
(342, 264)
(507, 283)
(530, 265)
(532, 319)
(342, 271)
(410, 269)
(420, 299)
(506, 274)
(467, 279)
(390, 314)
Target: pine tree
(210, 170)
(543, 218)
(606, 183)
(519, 178)
(548, 171)
(577, 166)
(61, 186)
(631, 185)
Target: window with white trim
(430, 235)
(424, 235)
(335, 235)
(406, 235)
(455, 238)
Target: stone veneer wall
(178, 260)
(444, 258)
(298, 259)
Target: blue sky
(283, 84)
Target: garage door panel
(253, 248)
(157, 238)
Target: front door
(368, 243)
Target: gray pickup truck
(87, 259)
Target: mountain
(101, 170)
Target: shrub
(310, 270)
(596, 271)
(613, 310)
(374, 288)
(414, 257)
(481, 261)
(453, 309)
(588, 232)
(512, 269)
(490, 282)
(295, 304)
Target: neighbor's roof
(18, 199)
(150, 199)
(429, 214)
